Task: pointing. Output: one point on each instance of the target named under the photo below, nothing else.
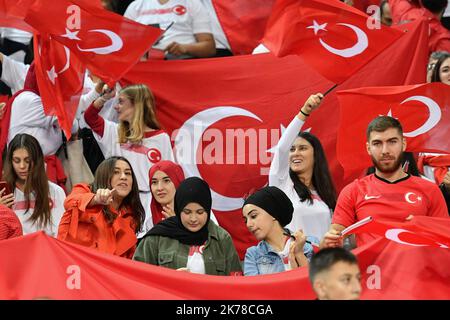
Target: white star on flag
(52, 75)
(316, 27)
(72, 35)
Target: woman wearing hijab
(189, 241)
(165, 177)
(266, 213)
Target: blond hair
(144, 114)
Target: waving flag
(331, 36)
(60, 77)
(106, 43)
(423, 110)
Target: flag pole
(329, 90)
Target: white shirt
(89, 96)
(14, 73)
(219, 35)
(190, 17)
(57, 197)
(196, 263)
(284, 255)
(314, 219)
(27, 116)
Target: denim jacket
(263, 259)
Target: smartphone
(5, 185)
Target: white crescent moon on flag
(392, 234)
(188, 139)
(359, 47)
(433, 119)
(67, 51)
(116, 43)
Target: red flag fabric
(243, 22)
(268, 93)
(60, 77)
(107, 43)
(48, 268)
(394, 271)
(421, 231)
(423, 110)
(327, 34)
(12, 17)
(364, 4)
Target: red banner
(47, 268)
(423, 110)
(334, 38)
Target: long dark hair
(102, 180)
(435, 76)
(321, 178)
(36, 182)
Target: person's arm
(250, 266)
(343, 216)
(13, 73)
(147, 251)
(87, 99)
(92, 117)
(233, 265)
(279, 167)
(204, 47)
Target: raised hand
(104, 197)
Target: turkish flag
(243, 22)
(60, 77)
(265, 92)
(423, 110)
(421, 231)
(331, 36)
(107, 43)
(389, 270)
